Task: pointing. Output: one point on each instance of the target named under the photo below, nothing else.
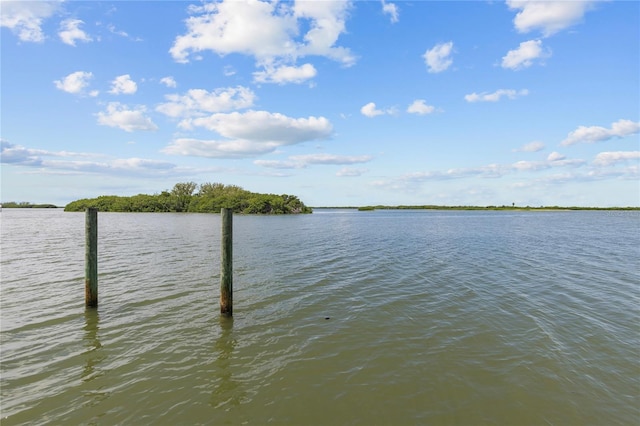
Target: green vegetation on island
(26, 205)
(194, 198)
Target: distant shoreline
(483, 208)
(25, 205)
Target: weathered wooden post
(91, 258)
(226, 271)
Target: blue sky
(340, 103)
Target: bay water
(341, 317)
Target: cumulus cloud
(198, 102)
(266, 127)
(169, 81)
(619, 129)
(70, 32)
(370, 110)
(123, 85)
(249, 134)
(419, 106)
(267, 30)
(285, 74)
(25, 18)
(495, 96)
(254, 28)
(75, 83)
(125, 118)
(609, 158)
(438, 58)
(549, 17)
(534, 146)
(524, 55)
(390, 9)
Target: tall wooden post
(91, 258)
(226, 271)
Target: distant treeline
(512, 207)
(191, 197)
(27, 205)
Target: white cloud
(198, 102)
(609, 158)
(66, 161)
(438, 58)
(619, 129)
(113, 30)
(370, 110)
(268, 31)
(390, 9)
(350, 172)
(555, 156)
(529, 165)
(409, 181)
(75, 83)
(70, 32)
(330, 159)
(169, 81)
(25, 18)
(302, 161)
(219, 148)
(279, 164)
(524, 55)
(266, 127)
(249, 134)
(123, 85)
(285, 74)
(534, 146)
(549, 17)
(495, 96)
(118, 115)
(419, 106)
(554, 160)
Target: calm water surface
(340, 318)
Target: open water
(340, 318)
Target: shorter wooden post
(91, 258)
(226, 271)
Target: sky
(341, 103)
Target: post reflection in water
(93, 354)
(225, 392)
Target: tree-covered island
(194, 198)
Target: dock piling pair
(91, 261)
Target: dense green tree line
(189, 197)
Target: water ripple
(340, 317)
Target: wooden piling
(226, 270)
(91, 258)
